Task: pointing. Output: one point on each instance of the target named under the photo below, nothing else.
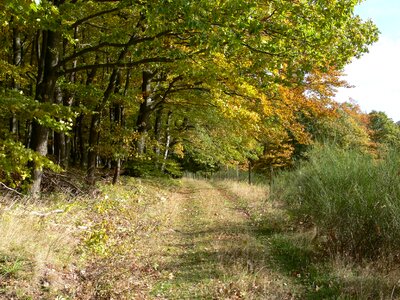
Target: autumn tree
(68, 66)
(383, 130)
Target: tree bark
(118, 121)
(250, 166)
(17, 61)
(157, 131)
(60, 144)
(145, 109)
(81, 142)
(167, 140)
(117, 171)
(96, 116)
(92, 151)
(47, 77)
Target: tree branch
(11, 189)
(265, 19)
(260, 51)
(132, 41)
(124, 65)
(98, 14)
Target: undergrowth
(298, 250)
(180, 239)
(352, 199)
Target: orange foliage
(294, 107)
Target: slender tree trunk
(74, 146)
(167, 140)
(116, 122)
(95, 127)
(78, 142)
(157, 134)
(143, 119)
(63, 97)
(60, 145)
(83, 149)
(17, 61)
(117, 171)
(250, 166)
(92, 152)
(96, 116)
(119, 121)
(39, 144)
(28, 130)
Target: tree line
(169, 85)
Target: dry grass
(298, 252)
(213, 253)
(189, 239)
(245, 191)
(34, 249)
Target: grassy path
(212, 246)
(163, 239)
(207, 250)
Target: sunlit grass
(185, 239)
(33, 244)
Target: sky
(376, 74)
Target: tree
(238, 60)
(383, 130)
(347, 129)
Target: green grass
(292, 248)
(11, 267)
(352, 199)
(186, 239)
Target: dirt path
(207, 250)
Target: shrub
(14, 163)
(149, 168)
(353, 199)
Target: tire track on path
(210, 251)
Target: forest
(112, 106)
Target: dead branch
(11, 189)
(45, 214)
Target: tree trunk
(94, 128)
(92, 152)
(117, 171)
(17, 61)
(157, 134)
(119, 120)
(47, 77)
(143, 119)
(60, 145)
(65, 98)
(39, 144)
(79, 143)
(167, 140)
(83, 151)
(96, 116)
(250, 166)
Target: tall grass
(352, 198)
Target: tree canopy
(196, 83)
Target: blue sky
(376, 74)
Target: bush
(14, 163)
(353, 199)
(149, 168)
